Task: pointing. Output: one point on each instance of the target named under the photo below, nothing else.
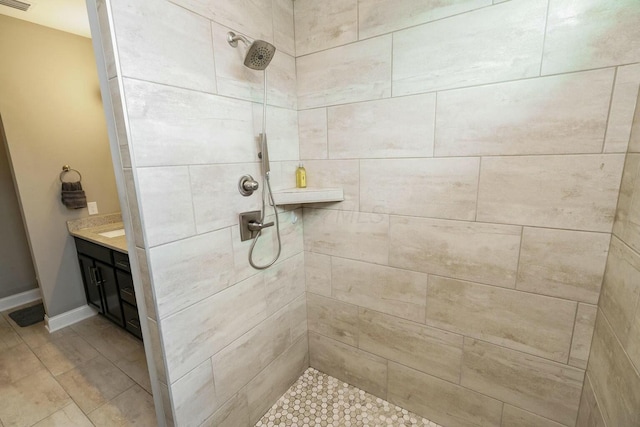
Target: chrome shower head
(260, 52)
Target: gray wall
(16, 267)
(611, 395)
(460, 297)
(53, 115)
(481, 148)
(228, 339)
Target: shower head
(260, 52)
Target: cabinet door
(125, 283)
(107, 277)
(91, 287)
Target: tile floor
(319, 400)
(89, 374)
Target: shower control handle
(247, 185)
(257, 225)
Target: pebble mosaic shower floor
(319, 400)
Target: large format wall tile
(351, 73)
(441, 401)
(531, 323)
(377, 17)
(201, 330)
(252, 18)
(284, 26)
(613, 377)
(436, 188)
(364, 370)
(194, 396)
(550, 265)
(623, 105)
(421, 347)
(343, 174)
(187, 271)
(216, 199)
(537, 385)
(549, 115)
(325, 24)
(393, 291)
(332, 318)
(485, 253)
(167, 210)
(575, 192)
(284, 282)
(299, 318)
(470, 49)
(276, 378)
(317, 269)
(621, 288)
(234, 413)
(281, 130)
(243, 359)
(163, 43)
(589, 414)
(627, 224)
(312, 129)
(516, 417)
(582, 335)
(591, 34)
(355, 235)
(172, 126)
(394, 127)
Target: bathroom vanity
(106, 274)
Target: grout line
(489, 83)
(453, 331)
(475, 215)
(608, 325)
(400, 29)
(544, 35)
(573, 332)
(606, 128)
(193, 206)
(213, 53)
(515, 282)
(469, 221)
(435, 125)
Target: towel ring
(67, 168)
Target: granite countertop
(90, 228)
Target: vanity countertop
(90, 228)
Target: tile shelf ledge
(296, 196)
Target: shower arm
(233, 38)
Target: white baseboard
(68, 318)
(16, 300)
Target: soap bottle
(301, 177)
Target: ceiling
(63, 15)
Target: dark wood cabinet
(108, 284)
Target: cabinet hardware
(124, 265)
(94, 276)
(102, 281)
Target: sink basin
(113, 233)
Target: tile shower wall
(480, 145)
(227, 340)
(611, 395)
